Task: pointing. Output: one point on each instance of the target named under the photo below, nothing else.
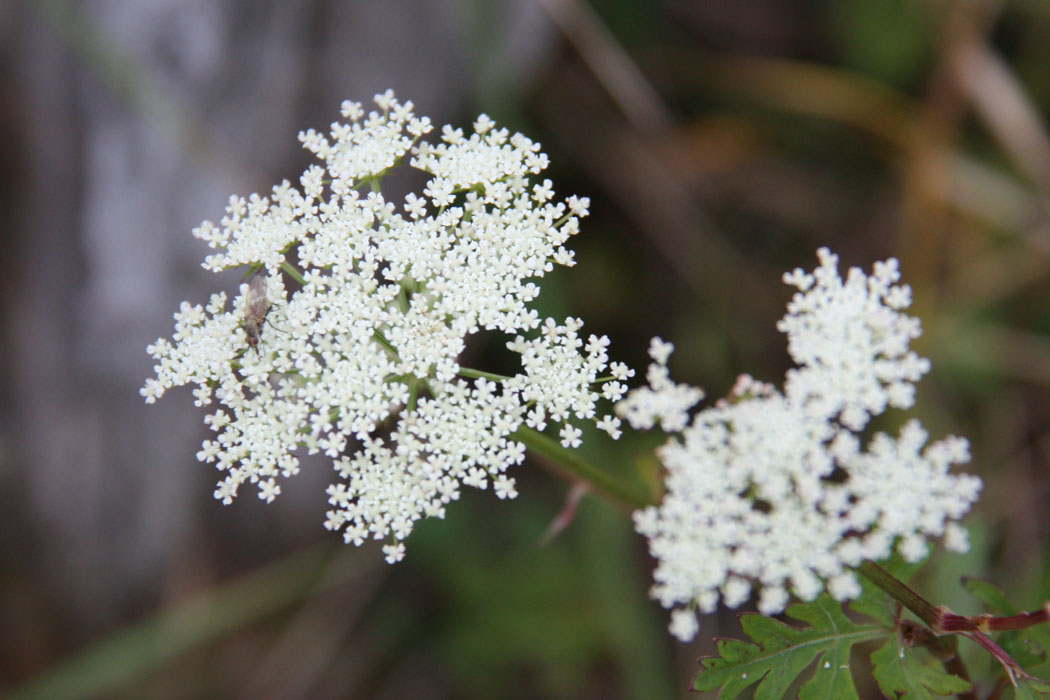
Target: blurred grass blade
(143, 647)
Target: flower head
(773, 488)
(368, 306)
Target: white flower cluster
(359, 357)
(776, 489)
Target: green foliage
(903, 676)
(507, 618)
(1031, 689)
(887, 40)
(781, 652)
(778, 654)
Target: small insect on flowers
(256, 306)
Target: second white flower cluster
(775, 488)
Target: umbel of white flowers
(776, 489)
(359, 359)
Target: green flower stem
(943, 621)
(378, 336)
(923, 609)
(413, 394)
(289, 269)
(402, 299)
(478, 374)
(571, 463)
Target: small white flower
(611, 425)
(684, 624)
(440, 192)
(483, 124)
(660, 351)
(735, 591)
(543, 192)
(579, 205)
(505, 487)
(844, 586)
(956, 538)
(415, 206)
(772, 600)
(393, 553)
(570, 436)
(614, 391)
(269, 490)
(536, 419)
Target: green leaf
(1031, 689)
(991, 595)
(903, 676)
(781, 652)
(887, 40)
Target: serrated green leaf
(781, 652)
(902, 676)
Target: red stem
(950, 622)
(942, 620)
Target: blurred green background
(721, 142)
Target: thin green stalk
(895, 588)
(413, 394)
(292, 272)
(573, 464)
(478, 374)
(378, 336)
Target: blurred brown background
(721, 143)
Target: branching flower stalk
(359, 355)
(941, 621)
(939, 618)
